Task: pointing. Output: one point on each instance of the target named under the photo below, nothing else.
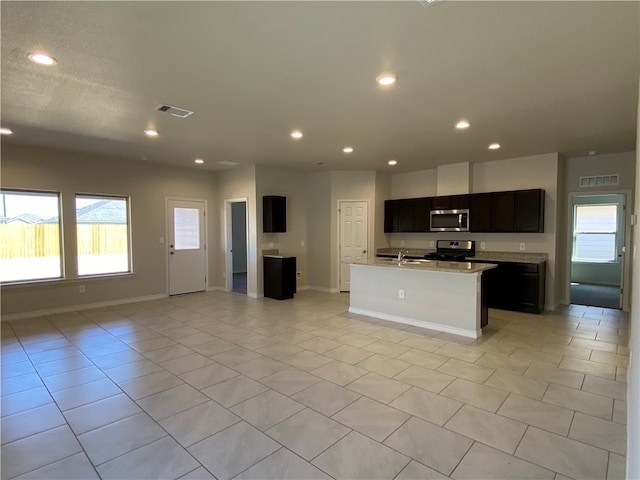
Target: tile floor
(218, 385)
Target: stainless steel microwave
(450, 220)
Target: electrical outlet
(161, 240)
(81, 289)
(522, 247)
(483, 245)
(432, 244)
(402, 243)
(401, 294)
(302, 243)
(298, 275)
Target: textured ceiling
(537, 77)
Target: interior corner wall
(633, 373)
(147, 185)
(318, 187)
(422, 183)
(231, 185)
(292, 185)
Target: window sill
(65, 281)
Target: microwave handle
(460, 219)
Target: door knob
(364, 251)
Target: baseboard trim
(323, 289)
(86, 306)
(417, 323)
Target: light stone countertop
(431, 265)
(509, 257)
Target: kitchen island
(444, 296)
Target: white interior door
(353, 238)
(187, 248)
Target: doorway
(187, 246)
(598, 250)
(353, 234)
(237, 246)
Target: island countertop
(431, 265)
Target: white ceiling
(536, 77)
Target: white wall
(318, 186)
(422, 183)
(633, 374)
(234, 184)
(290, 184)
(148, 185)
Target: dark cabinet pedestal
(279, 277)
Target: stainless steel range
(453, 250)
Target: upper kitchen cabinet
(399, 215)
(391, 216)
(529, 211)
(440, 203)
(274, 214)
(422, 214)
(406, 215)
(502, 211)
(480, 212)
(458, 201)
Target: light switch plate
(522, 246)
(483, 245)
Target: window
(30, 234)
(103, 234)
(594, 233)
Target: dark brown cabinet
(502, 211)
(516, 286)
(529, 211)
(458, 201)
(279, 277)
(274, 214)
(406, 215)
(440, 203)
(399, 215)
(391, 216)
(422, 214)
(512, 211)
(480, 212)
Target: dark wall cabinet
(279, 277)
(274, 214)
(513, 211)
(516, 286)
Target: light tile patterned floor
(218, 385)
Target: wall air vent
(600, 181)
(175, 111)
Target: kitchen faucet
(400, 257)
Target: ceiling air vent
(227, 163)
(175, 111)
(600, 180)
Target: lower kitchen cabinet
(517, 286)
(279, 277)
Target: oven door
(449, 220)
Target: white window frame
(614, 233)
(126, 198)
(58, 195)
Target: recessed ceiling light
(592, 152)
(5, 131)
(494, 146)
(347, 149)
(392, 162)
(386, 79)
(198, 160)
(296, 134)
(149, 132)
(462, 124)
(42, 59)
